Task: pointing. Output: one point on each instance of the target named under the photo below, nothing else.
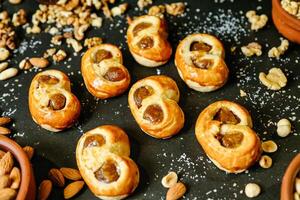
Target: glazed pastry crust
(93, 73)
(199, 79)
(161, 51)
(165, 93)
(231, 160)
(39, 96)
(115, 147)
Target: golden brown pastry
(153, 101)
(103, 72)
(224, 130)
(102, 156)
(200, 62)
(147, 40)
(51, 102)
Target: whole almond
(44, 189)
(15, 176)
(4, 131)
(4, 181)
(6, 163)
(39, 62)
(57, 177)
(7, 194)
(70, 173)
(72, 189)
(4, 120)
(176, 191)
(29, 151)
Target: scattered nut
(4, 54)
(72, 189)
(176, 191)
(175, 8)
(57, 39)
(243, 93)
(49, 52)
(284, 127)
(25, 64)
(265, 161)
(59, 56)
(276, 52)
(274, 80)
(251, 49)
(4, 131)
(57, 177)
(39, 62)
(8, 73)
(252, 190)
(257, 21)
(269, 146)
(143, 3)
(79, 31)
(29, 151)
(75, 44)
(19, 18)
(3, 66)
(70, 173)
(157, 11)
(169, 180)
(91, 42)
(45, 189)
(119, 10)
(5, 120)
(34, 29)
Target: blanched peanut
(8, 73)
(284, 127)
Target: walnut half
(274, 80)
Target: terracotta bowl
(288, 180)
(288, 25)
(27, 188)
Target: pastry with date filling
(200, 62)
(147, 39)
(51, 103)
(103, 71)
(102, 156)
(153, 101)
(224, 130)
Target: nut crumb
(243, 93)
(91, 42)
(143, 3)
(257, 21)
(274, 80)
(251, 49)
(59, 56)
(157, 11)
(175, 8)
(276, 52)
(119, 10)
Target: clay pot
(27, 190)
(287, 24)
(288, 180)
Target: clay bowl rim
(288, 180)
(284, 13)
(7, 144)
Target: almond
(2, 153)
(176, 191)
(4, 120)
(70, 173)
(4, 181)
(57, 177)
(4, 131)
(44, 189)
(15, 176)
(29, 151)
(72, 189)
(7, 194)
(39, 62)
(6, 163)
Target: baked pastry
(51, 102)
(147, 40)
(102, 156)
(200, 62)
(224, 130)
(153, 101)
(103, 71)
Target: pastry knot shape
(224, 130)
(102, 156)
(147, 40)
(103, 71)
(51, 103)
(153, 101)
(200, 62)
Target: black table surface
(182, 153)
